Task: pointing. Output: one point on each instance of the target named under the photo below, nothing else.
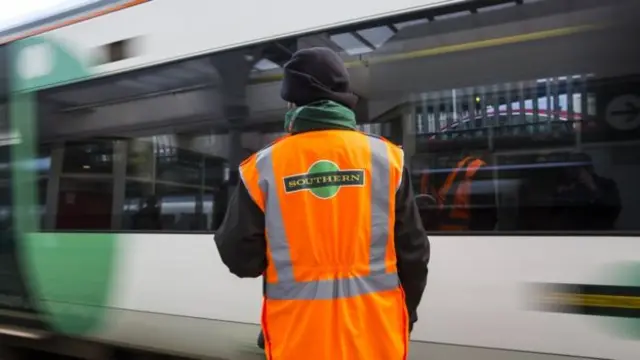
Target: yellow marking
(609, 301)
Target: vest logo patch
(323, 179)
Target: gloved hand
(413, 318)
(261, 340)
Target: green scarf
(320, 115)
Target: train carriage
(122, 126)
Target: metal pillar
(233, 69)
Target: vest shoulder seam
(380, 137)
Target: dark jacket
(242, 245)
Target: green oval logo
(323, 179)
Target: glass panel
(377, 36)
(543, 95)
(350, 44)
(158, 149)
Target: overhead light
(350, 44)
(265, 65)
(376, 36)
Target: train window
(154, 150)
(158, 150)
(523, 118)
(517, 118)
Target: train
(123, 124)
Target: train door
(17, 311)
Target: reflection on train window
(509, 137)
(170, 187)
(525, 162)
(513, 118)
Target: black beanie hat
(316, 74)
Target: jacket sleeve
(241, 238)
(412, 247)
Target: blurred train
(123, 125)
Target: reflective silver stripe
(274, 223)
(401, 170)
(380, 183)
(332, 289)
(286, 286)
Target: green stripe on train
(69, 274)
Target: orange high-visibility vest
(456, 197)
(332, 289)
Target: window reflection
(514, 116)
(170, 186)
(90, 157)
(514, 136)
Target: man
(574, 197)
(467, 197)
(460, 200)
(327, 214)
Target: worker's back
(332, 288)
